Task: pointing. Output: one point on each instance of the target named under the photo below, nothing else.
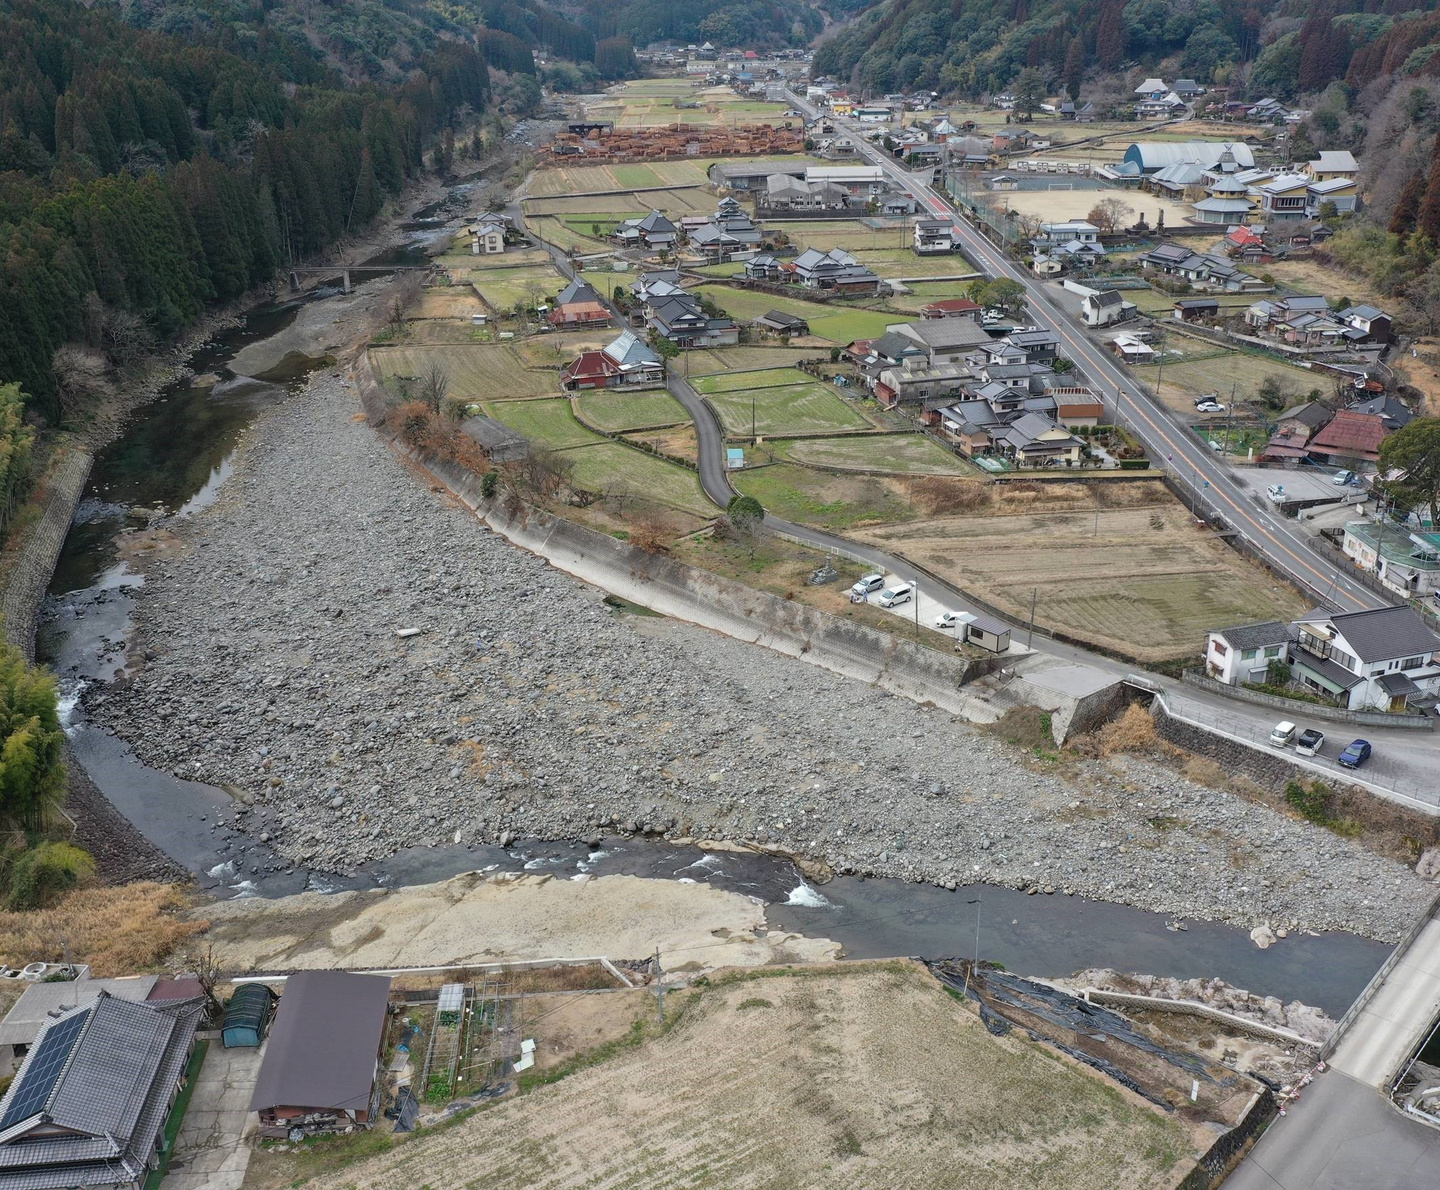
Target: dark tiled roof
(1336, 675)
(1397, 684)
(1385, 633)
(1258, 636)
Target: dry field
(1311, 276)
(683, 201)
(708, 361)
(903, 454)
(591, 179)
(1059, 205)
(1223, 372)
(452, 301)
(810, 1078)
(476, 373)
(1149, 586)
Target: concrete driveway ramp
(211, 1151)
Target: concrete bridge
(346, 269)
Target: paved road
(1341, 1136)
(1164, 437)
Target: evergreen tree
(1074, 73)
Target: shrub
(489, 482)
(1134, 731)
(1312, 801)
(40, 875)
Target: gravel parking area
(268, 658)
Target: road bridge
(346, 269)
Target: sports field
(618, 412)
(1149, 585)
(839, 324)
(897, 454)
(476, 372)
(828, 1060)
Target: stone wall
(32, 569)
(1264, 768)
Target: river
(175, 455)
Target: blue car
(1355, 754)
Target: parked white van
(896, 595)
(1283, 735)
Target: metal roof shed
(319, 1068)
(247, 1015)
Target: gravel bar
(277, 654)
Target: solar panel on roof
(45, 1067)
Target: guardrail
(1377, 980)
(1298, 707)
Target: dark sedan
(1356, 753)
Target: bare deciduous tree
(434, 385)
(81, 375)
(1110, 214)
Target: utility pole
(1030, 636)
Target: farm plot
(811, 408)
(1218, 372)
(598, 464)
(502, 289)
(617, 411)
(1163, 583)
(452, 301)
(771, 378)
(850, 234)
(900, 454)
(564, 180)
(839, 324)
(563, 235)
(708, 361)
(901, 262)
(550, 424)
(475, 371)
(813, 1054)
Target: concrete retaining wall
(699, 597)
(1262, 767)
(1232, 1022)
(35, 565)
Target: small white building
(1104, 308)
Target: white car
(947, 620)
(1210, 407)
(896, 595)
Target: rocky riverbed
(370, 668)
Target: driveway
(211, 1152)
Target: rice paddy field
(1163, 584)
(502, 289)
(839, 324)
(731, 381)
(476, 372)
(598, 463)
(896, 454)
(708, 361)
(809, 408)
(648, 103)
(686, 200)
(606, 409)
(824, 498)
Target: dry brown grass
(1134, 731)
(118, 931)
(653, 532)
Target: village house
(656, 284)
(1195, 309)
(652, 231)
(933, 236)
(1387, 408)
(680, 319)
(765, 268)
(1370, 660)
(1245, 653)
(1077, 406)
(945, 340)
(835, 270)
(1406, 561)
(1332, 164)
(1033, 440)
(1104, 307)
(785, 192)
(1285, 197)
(1132, 349)
(782, 323)
(1367, 324)
(323, 1056)
(1208, 269)
(487, 235)
(916, 381)
(1246, 245)
(1294, 428)
(90, 1102)
(625, 362)
(952, 308)
(1350, 440)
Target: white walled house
(1372, 660)
(1239, 655)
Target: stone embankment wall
(35, 565)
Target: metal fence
(1297, 707)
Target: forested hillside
(143, 175)
(1283, 48)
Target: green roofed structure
(247, 1016)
